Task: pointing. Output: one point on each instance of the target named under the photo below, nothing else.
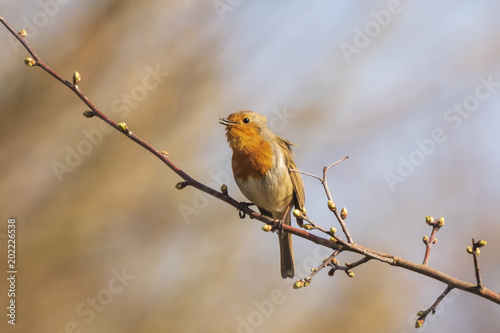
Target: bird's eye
(246, 120)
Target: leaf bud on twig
(469, 249)
(223, 189)
(331, 205)
(343, 213)
(429, 220)
(88, 114)
(419, 323)
(30, 62)
(481, 243)
(267, 228)
(297, 213)
(298, 284)
(123, 127)
(76, 78)
(22, 33)
(440, 222)
(181, 185)
(425, 239)
(333, 230)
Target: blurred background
(106, 243)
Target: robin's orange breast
(267, 185)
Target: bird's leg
(242, 206)
(279, 227)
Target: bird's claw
(242, 206)
(279, 226)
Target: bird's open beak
(227, 122)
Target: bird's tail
(286, 251)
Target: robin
(261, 166)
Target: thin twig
(436, 225)
(423, 314)
(315, 226)
(428, 243)
(325, 263)
(324, 182)
(475, 255)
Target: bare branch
(475, 254)
(432, 309)
(436, 225)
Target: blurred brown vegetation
(209, 272)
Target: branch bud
(481, 243)
(303, 211)
(343, 213)
(425, 239)
(181, 185)
(88, 114)
(223, 189)
(308, 227)
(30, 62)
(434, 241)
(440, 222)
(478, 252)
(123, 127)
(331, 205)
(419, 323)
(297, 213)
(267, 228)
(333, 230)
(299, 284)
(349, 273)
(164, 152)
(333, 240)
(469, 249)
(429, 220)
(76, 78)
(22, 33)
(420, 313)
(331, 272)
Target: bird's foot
(242, 206)
(279, 226)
